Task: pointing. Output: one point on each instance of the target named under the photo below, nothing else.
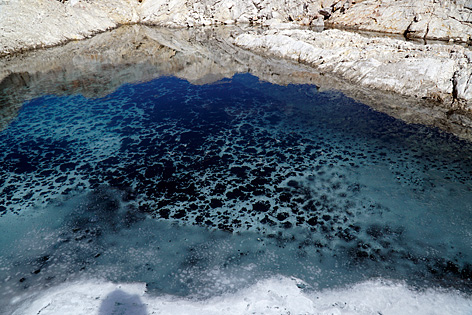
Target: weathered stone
(29, 24)
(427, 19)
(468, 4)
(420, 71)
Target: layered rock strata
(426, 19)
(31, 24)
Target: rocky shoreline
(437, 72)
(409, 78)
(30, 24)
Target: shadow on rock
(120, 302)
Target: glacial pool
(203, 191)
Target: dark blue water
(198, 190)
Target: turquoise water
(199, 190)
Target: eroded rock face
(435, 72)
(428, 19)
(207, 12)
(30, 24)
(97, 66)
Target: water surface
(200, 190)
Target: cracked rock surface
(435, 72)
(428, 19)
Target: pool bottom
(199, 191)
(97, 235)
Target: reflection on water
(201, 189)
(129, 54)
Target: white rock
(392, 65)
(418, 19)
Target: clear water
(199, 190)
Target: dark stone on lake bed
(235, 194)
(326, 217)
(219, 188)
(282, 216)
(179, 214)
(240, 171)
(164, 213)
(261, 206)
(284, 197)
(375, 231)
(286, 225)
(293, 184)
(345, 235)
(313, 221)
(267, 220)
(216, 203)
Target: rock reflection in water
(97, 66)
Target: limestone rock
(436, 72)
(428, 19)
(30, 24)
(183, 13)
